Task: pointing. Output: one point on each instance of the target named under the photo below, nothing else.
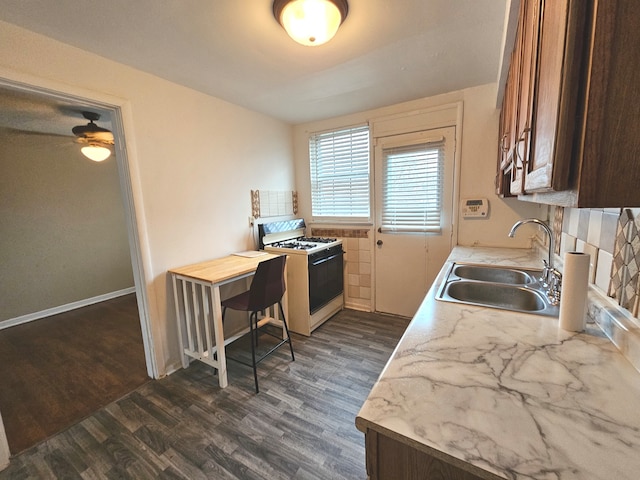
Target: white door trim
(4, 447)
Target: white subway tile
(603, 270)
(567, 244)
(574, 217)
(595, 222)
(364, 244)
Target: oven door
(326, 277)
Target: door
(414, 203)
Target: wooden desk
(196, 290)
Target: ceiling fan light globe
(96, 153)
(311, 22)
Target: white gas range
(315, 275)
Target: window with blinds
(340, 174)
(412, 187)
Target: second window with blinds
(340, 175)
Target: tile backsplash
(612, 237)
(358, 257)
(268, 203)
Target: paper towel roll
(575, 284)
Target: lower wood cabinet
(390, 459)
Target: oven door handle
(326, 259)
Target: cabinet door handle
(519, 159)
(503, 147)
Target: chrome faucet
(512, 233)
(551, 278)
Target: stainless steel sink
(507, 288)
(494, 274)
(502, 296)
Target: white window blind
(412, 187)
(340, 178)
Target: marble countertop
(509, 395)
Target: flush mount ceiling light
(97, 139)
(310, 22)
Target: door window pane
(412, 188)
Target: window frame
(350, 219)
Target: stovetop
(288, 236)
(304, 244)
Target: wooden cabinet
(517, 112)
(577, 140)
(503, 176)
(528, 37)
(390, 459)
(562, 25)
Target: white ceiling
(386, 51)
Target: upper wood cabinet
(523, 126)
(575, 140)
(517, 113)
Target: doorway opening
(45, 107)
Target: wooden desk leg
(219, 335)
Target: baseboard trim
(30, 317)
(357, 306)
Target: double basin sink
(507, 288)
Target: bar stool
(266, 290)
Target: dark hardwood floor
(300, 425)
(57, 370)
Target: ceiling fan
(97, 139)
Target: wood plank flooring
(300, 425)
(57, 370)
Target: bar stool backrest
(268, 284)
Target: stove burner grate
(293, 244)
(318, 239)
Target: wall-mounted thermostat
(475, 208)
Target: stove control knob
(379, 242)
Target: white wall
(64, 233)
(478, 163)
(193, 158)
(477, 176)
